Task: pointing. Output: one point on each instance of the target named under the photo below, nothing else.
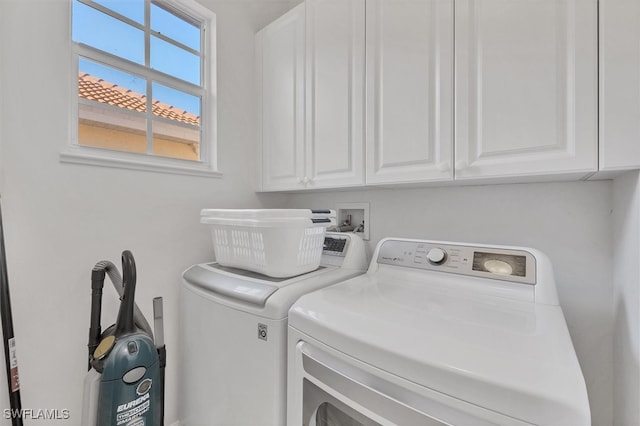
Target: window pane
(183, 65)
(111, 108)
(176, 141)
(111, 75)
(127, 133)
(172, 26)
(103, 32)
(132, 9)
(176, 104)
(178, 136)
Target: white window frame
(75, 153)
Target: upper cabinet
(526, 88)
(409, 90)
(280, 65)
(311, 78)
(619, 84)
(335, 93)
(454, 90)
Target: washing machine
(233, 335)
(436, 333)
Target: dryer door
(333, 398)
(322, 409)
(328, 388)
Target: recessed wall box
(354, 214)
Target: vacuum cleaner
(125, 381)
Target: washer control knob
(436, 256)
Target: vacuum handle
(128, 270)
(125, 323)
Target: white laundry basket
(277, 243)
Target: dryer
(436, 333)
(234, 331)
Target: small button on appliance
(234, 331)
(436, 334)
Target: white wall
(626, 303)
(61, 218)
(570, 222)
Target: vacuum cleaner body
(125, 382)
(130, 383)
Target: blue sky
(103, 32)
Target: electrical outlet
(354, 214)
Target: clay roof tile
(98, 90)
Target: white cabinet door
(280, 63)
(619, 84)
(409, 90)
(526, 87)
(335, 93)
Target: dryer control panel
(480, 261)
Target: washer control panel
(335, 245)
(487, 262)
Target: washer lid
(513, 357)
(233, 285)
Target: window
(144, 85)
